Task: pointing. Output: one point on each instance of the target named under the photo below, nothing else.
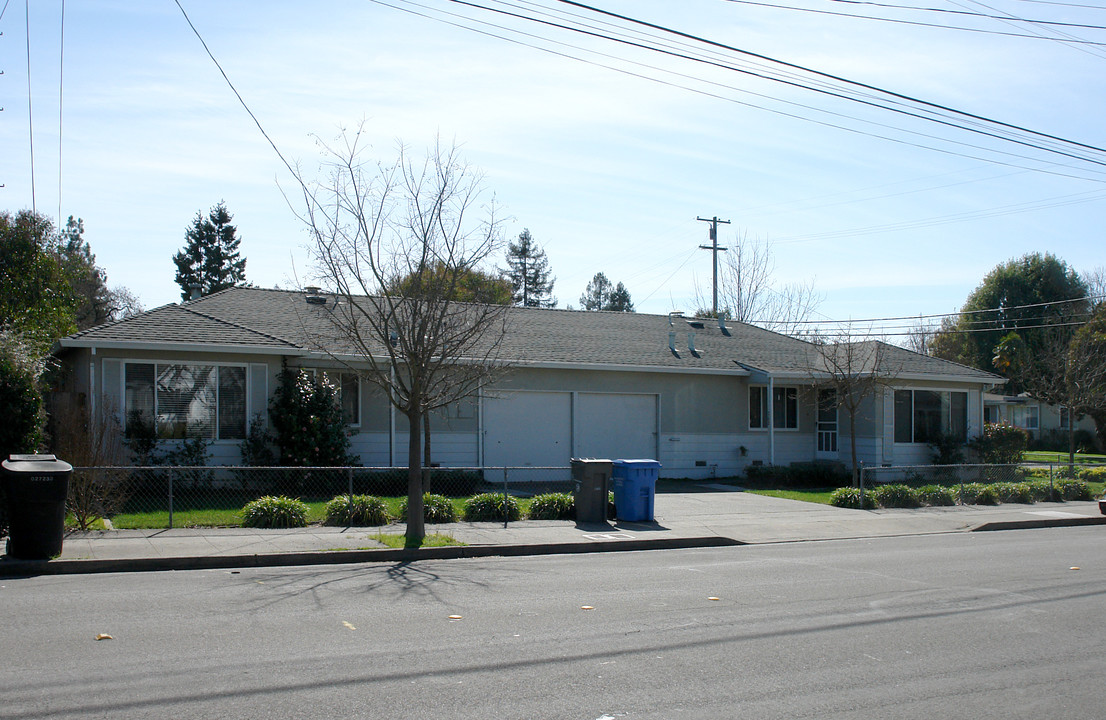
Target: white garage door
(528, 429)
(616, 426)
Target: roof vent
(674, 314)
(314, 295)
(691, 344)
(697, 324)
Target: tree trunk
(852, 447)
(426, 447)
(1071, 438)
(416, 524)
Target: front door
(827, 425)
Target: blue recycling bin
(635, 486)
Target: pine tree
(528, 272)
(210, 257)
(602, 295)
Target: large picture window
(183, 400)
(785, 407)
(923, 416)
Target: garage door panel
(616, 425)
(528, 429)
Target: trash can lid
(643, 463)
(35, 464)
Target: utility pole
(713, 247)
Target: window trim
(763, 393)
(216, 425)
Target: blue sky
(608, 169)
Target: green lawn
(1041, 456)
(819, 495)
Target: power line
(236, 93)
(30, 114)
(968, 13)
(61, 85)
(919, 23)
(953, 314)
(718, 96)
(899, 96)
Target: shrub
(896, 496)
(1000, 444)
(491, 507)
(1073, 490)
(356, 510)
(274, 512)
(978, 494)
(1014, 492)
(936, 495)
(848, 497)
(1042, 491)
(1094, 474)
(553, 506)
(435, 509)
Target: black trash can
(592, 481)
(37, 486)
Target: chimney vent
(672, 341)
(691, 342)
(196, 291)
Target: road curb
(29, 568)
(1041, 523)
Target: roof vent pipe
(691, 342)
(672, 314)
(721, 319)
(196, 291)
(672, 341)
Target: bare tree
(853, 371)
(920, 337)
(422, 223)
(1096, 285)
(746, 290)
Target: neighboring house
(1038, 418)
(700, 397)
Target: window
(347, 387)
(921, 416)
(183, 400)
(785, 407)
(1027, 417)
(1065, 418)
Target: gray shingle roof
(281, 321)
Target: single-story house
(701, 396)
(1038, 418)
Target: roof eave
(178, 347)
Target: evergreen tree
(602, 295)
(210, 257)
(528, 272)
(37, 299)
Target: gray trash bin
(591, 480)
(36, 486)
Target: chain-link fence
(1022, 482)
(162, 496)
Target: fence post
(1051, 489)
(349, 498)
(506, 510)
(860, 483)
(170, 498)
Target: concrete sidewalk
(714, 517)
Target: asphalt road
(946, 626)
